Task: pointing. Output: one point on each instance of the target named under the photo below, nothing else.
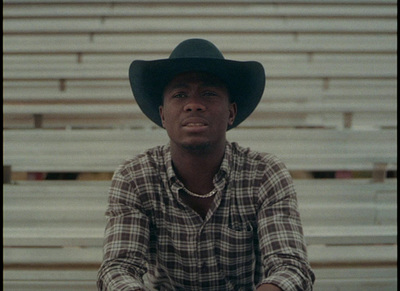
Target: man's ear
(232, 113)
(160, 109)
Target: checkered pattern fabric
(251, 235)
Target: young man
(201, 213)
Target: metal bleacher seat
(59, 225)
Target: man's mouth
(195, 124)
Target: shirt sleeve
(280, 233)
(126, 239)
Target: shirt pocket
(237, 241)
(240, 228)
(235, 253)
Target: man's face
(196, 110)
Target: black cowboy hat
(245, 80)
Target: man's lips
(194, 122)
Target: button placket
(204, 267)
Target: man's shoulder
(151, 159)
(251, 155)
(247, 160)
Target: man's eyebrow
(176, 86)
(212, 83)
(205, 84)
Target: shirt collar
(223, 172)
(168, 164)
(226, 165)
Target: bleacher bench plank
(252, 9)
(262, 108)
(328, 279)
(308, 190)
(359, 120)
(290, 71)
(49, 285)
(350, 279)
(281, 71)
(276, 90)
(360, 2)
(328, 218)
(79, 94)
(111, 59)
(93, 215)
(262, 46)
(318, 255)
(93, 236)
(184, 24)
(104, 150)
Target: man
(201, 213)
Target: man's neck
(195, 168)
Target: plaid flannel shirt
(251, 235)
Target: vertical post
(379, 172)
(38, 119)
(6, 174)
(347, 119)
(62, 85)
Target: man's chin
(201, 147)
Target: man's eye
(179, 95)
(209, 93)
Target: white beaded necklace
(212, 193)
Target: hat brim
(245, 82)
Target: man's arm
(280, 233)
(268, 287)
(126, 240)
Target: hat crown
(196, 48)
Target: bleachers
(329, 105)
(59, 225)
(334, 56)
(103, 150)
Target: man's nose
(194, 104)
